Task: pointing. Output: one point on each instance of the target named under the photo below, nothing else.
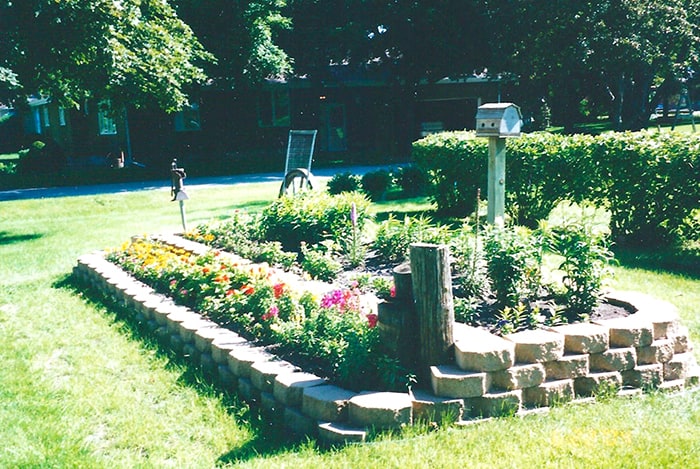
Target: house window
(187, 120)
(105, 118)
(45, 115)
(273, 109)
(62, 116)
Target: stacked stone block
(538, 368)
(491, 375)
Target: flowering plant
(336, 334)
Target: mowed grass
(80, 388)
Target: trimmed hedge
(649, 181)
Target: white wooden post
(496, 188)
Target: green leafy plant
(319, 262)
(412, 180)
(312, 217)
(376, 183)
(514, 263)
(344, 182)
(586, 257)
(394, 236)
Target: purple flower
(353, 214)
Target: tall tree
(131, 51)
(410, 40)
(242, 36)
(614, 52)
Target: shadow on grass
(683, 262)
(9, 238)
(268, 438)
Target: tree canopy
(614, 56)
(135, 51)
(241, 35)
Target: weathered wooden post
(432, 293)
(397, 320)
(497, 121)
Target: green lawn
(79, 388)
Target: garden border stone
(618, 352)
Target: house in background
(360, 118)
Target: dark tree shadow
(672, 261)
(268, 438)
(9, 238)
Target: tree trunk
(432, 291)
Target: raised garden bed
(490, 375)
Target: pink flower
(392, 291)
(271, 313)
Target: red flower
(247, 290)
(372, 320)
(278, 289)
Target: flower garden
(304, 279)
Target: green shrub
(455, 164)
(648, 180)
(319, 263)
(411, 180)
(394, 236)
(376, 184)
(344, 182)
(311, 217)
(585, 260)
(514, 264)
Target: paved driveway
(71, 191)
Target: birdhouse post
(497, 121)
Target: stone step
(427, 407)
(450, 381)
(478, 350)
(537, 346)
(380, 410)
(327, 403)
(263, 373)
(333, 433)
(518, 377)
(583, 338)
(629, 331)
(289, 387)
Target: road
(73, 191)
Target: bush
(648, 180)
(394, 236)
(319, 263)
(376, 184)
(311, 217)
(514, 264)
(42, 156)
(411, 180)
(585, 260)
(344, 182)
(455, 163)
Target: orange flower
(247, 290)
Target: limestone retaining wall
(491, 375)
